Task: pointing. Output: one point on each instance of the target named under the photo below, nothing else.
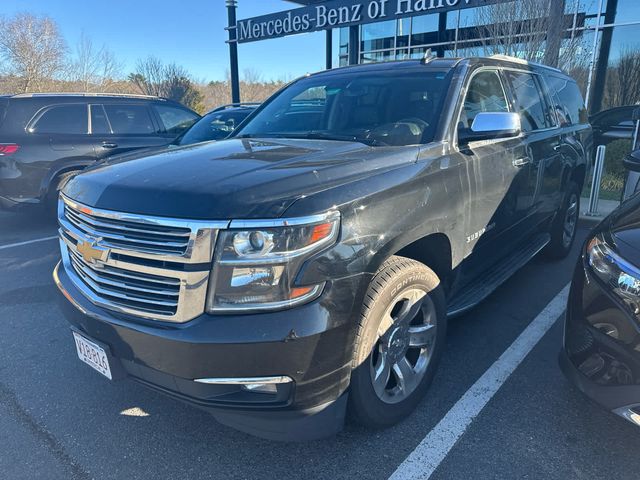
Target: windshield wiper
(315, 135)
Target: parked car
(218, 124)
(47, 138)
(307, 265)
(601, 353)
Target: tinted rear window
(128, 119)
(62, 119)
(529, 101)
(571, 110)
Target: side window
(485, 94)
(99, 122)
(129, 119)
(571, 109)
(175, 120)
(62, 119)
(529, 101)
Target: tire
(379, 404)
(50, 204)
(564, 225)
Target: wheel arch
(433, 250)
(55, 173)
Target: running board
(473, 293)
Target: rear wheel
(50, 203)
(564, 226)
(401, 337)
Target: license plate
(92, 354)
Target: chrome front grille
(149, 293)
(128, 235)
(152, 267)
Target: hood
(236, 178)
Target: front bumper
(307, 344)
(600, 350)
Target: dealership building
(597, 41)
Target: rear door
(123, 127)
(65, 129)
(542, 139)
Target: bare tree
(32, 49)
(532, 30)
(94, 68)
(171, 81)
(622, 86)
(149, 76)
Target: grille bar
(124, 285)
(129, 239)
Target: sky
(190, 33)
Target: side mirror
(492, 125)
(632, 161)
(636, 115)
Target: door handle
(521, 162)
(109, 145)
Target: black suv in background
(218, 124)
(306, 266)
(47, 138)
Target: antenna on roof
(427, 57)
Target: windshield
(392, 107)
(214, 126)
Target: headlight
(256, 262)
(618, 274)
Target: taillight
(8, 148)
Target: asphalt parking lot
(60, 419)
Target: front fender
(387, 212)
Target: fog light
(269, 388)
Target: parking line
(27, 242)
(434, 448)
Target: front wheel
(400, 341)
(564, 226)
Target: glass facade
(596, 41)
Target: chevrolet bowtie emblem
(91, 252)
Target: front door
(122, 127)
(498, 173)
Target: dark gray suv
(306, 266)
(47, 138)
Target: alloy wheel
(406, 339)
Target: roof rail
(523, 62)
(85, 94)
(234, 105)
